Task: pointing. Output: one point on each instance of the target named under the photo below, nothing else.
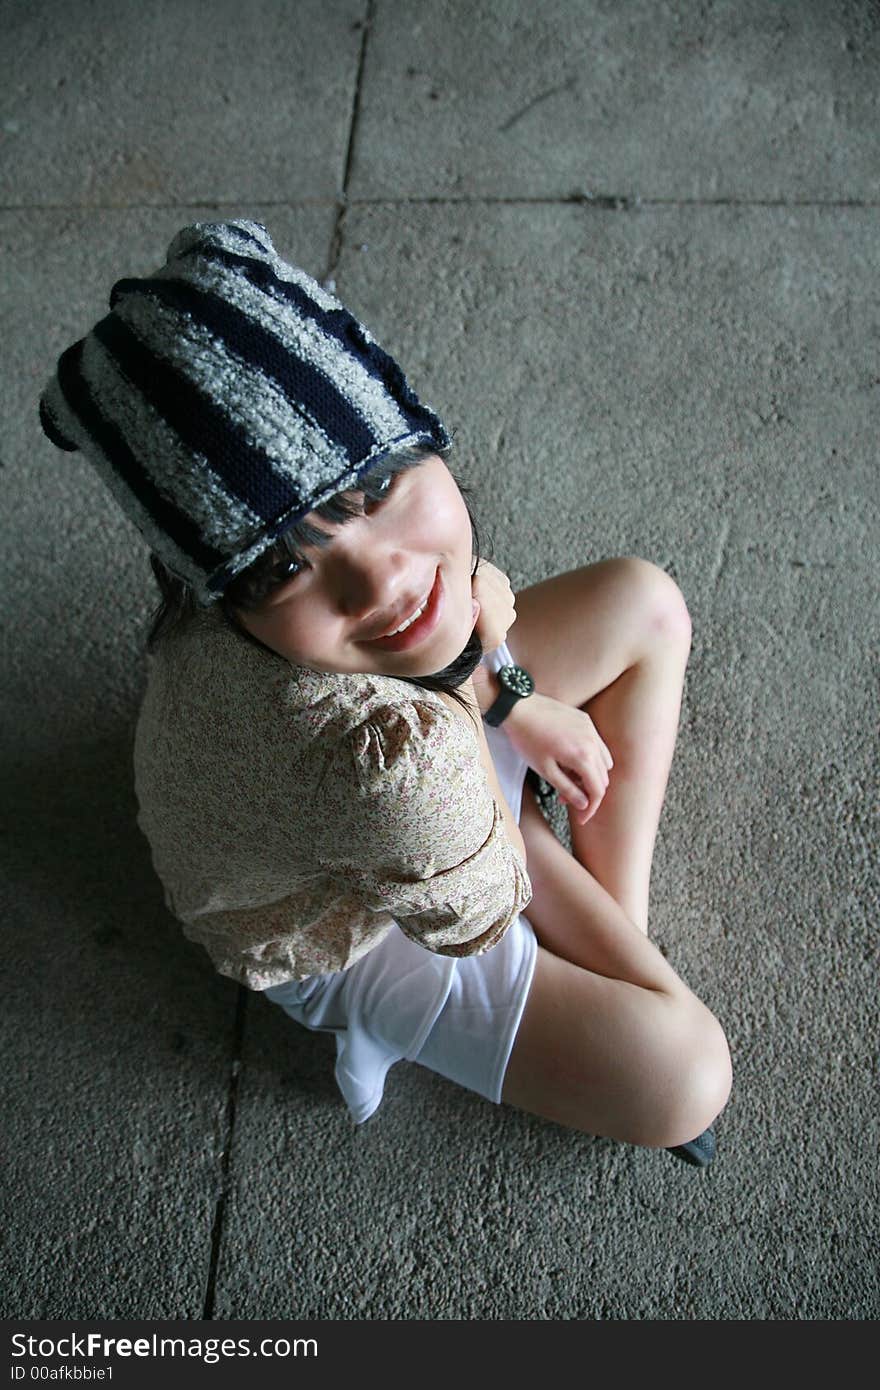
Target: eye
(382, 488)
(286, 573)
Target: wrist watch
(516, 684)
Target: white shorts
(455, 1015)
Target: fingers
(597, 743)
(584, 791)
(496, 611)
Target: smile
(419, 626)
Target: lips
(421, 628)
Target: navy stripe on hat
(306, 389)
(113, 446)
(199, 422)
(337, 323)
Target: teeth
(409, 622)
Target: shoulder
(403, 784)
(400, 728)
(383, 751)
(421, 837)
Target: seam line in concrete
(342, 201)
(603, 202)
(228, 1130)
(623, 203)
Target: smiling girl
(337, 746)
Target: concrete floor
(630, 252)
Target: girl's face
(376, 571)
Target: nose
(371, 581)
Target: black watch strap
(516, 684)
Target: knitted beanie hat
(224, 397)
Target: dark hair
(274, 567)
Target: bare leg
(613, 639)
(611, 1041)
(637, 717)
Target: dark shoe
(699, 1151)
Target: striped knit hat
(224, 397)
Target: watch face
(516, 679)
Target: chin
(463, 663)
(451, 652)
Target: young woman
(337, 744)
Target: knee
(662, 602)
(705, 1084)
(693, 1079)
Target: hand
(563, 745)
(493, 601)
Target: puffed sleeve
(412, 828)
